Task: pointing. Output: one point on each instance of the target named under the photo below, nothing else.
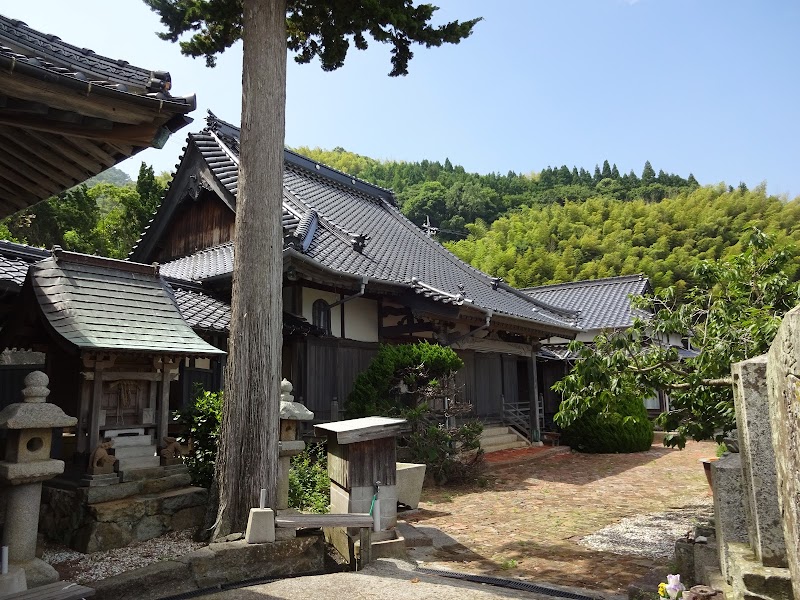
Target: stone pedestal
(13, 581)
(760, 486)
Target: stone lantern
(291, 414)
(27, 463)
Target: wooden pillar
(83, 445)
(533, 393)
(97, 399)
(162, 417)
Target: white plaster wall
(361, 320)
(361, 315)
(310, 295)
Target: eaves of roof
(48, 58)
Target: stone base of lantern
(13, 581)
(37, 572)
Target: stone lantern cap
(34, 412)
(295, 411)
(291, 410)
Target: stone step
(497, 447)
(496, 440)
(127, 441)
(134, 451)
(494, 430)
(139, 462)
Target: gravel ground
(652, 535)
(85, 568)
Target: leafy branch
(731, 313)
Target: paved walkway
(527, 517)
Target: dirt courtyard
(525, 519)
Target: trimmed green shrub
(614, 432)
(200, 422)
(396, 373)
(309, 484)
(415, 382)
(451, 454)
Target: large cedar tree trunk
(248, 452)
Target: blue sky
(710, 87)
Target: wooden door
(488, 384)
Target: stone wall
(783, 384)
(96, 523)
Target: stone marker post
(27, 463)
(783, 386)
(261, 523)
(760, 479)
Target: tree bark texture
(248, 450)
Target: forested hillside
(560, 224)
(103, 216)
(452, 198)
(602, 237)
(564, 224)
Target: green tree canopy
(732, 313)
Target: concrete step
(134, 451)
(494, 430)
(140, 462)
(495, 440)
(126, 441)
(508, 446)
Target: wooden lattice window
(321, 315)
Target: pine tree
(597, 175)
(648, 174)
(614, 171)
(606, 173)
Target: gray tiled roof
(603, 303)
(24, 45)
(15, 260)
(358, 230)
(204, 264)
(104, 304)
(201, 311)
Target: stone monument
(27, 463)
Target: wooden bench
(60, 590)
(363, 521)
